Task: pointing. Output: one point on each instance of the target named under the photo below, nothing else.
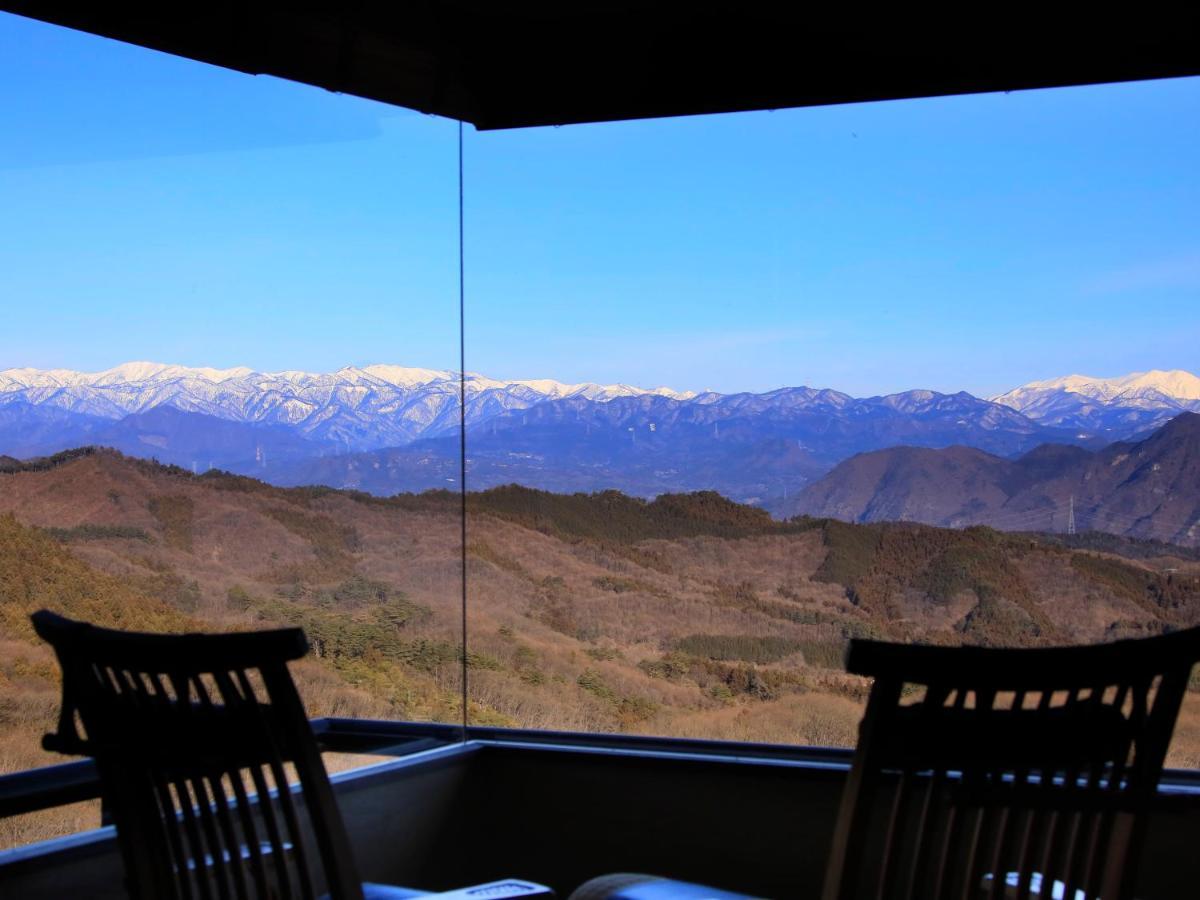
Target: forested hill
(1145, 489)
(688, 615)
(110, 507)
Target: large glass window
(232, 283)
(815, 375)
(739, 389)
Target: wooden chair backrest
(184, 729)
(996, 773)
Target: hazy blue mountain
(755, 448)
(200, 442)
(27, 430)
(1145, 489)
(389, 428)
(193, 440)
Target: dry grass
(816, 720)
(175, 515)
(1185, 745)
(16, 831)
(565, 633)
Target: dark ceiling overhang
(507, 65)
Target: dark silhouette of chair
(183, 728)
(1006, 773)
(990, 773)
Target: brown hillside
(1148, 490)
(686, 616)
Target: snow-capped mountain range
(1120, 407)
(352, 408)
(386, 428)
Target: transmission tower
(1071, 517)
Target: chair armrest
(497, 890)
(494, 890)
(628, 886)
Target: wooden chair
(1006, 773)
(987, 773)
(183, 729)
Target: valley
(690, 615)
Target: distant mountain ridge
(387, 428)
(1144, 489)
(350, 409)
(1121, 407)
(750, 447)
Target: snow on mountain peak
(1128, 404)
(398, 376)
(1175, 383)
(130, 371)
(587, 389)
(354, 407)
(364, 408)
(136, 372)
(126, 373)
(405, 376)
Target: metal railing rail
(51, 786)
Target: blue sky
(156, 208)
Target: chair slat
(1012, 772)
(918, 856)
(193, 737)
(210, 782)
(234, 698)
(267, 802)
(972, 869)
(186, 805)
(216, 860)
(895, 823)
(170, 817)
(287, 807)
(941, 886)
